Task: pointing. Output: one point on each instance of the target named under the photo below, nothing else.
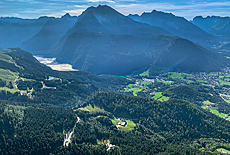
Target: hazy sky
(57, 8)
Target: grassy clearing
(101, 116)
(114, 121)
(207, 102)
(130, 85)
(92, 108)
(136, 89)
(163, 99)
(146, 83)
(190, 81)
(212, 74)
(144, 73)
(165, 82)
(204, 107)
(213, 110)
(222, 115)
(83, 109)
(224, 82)
(126, 89)
(176, 75)
(8, 76)
(224, 150)
(228, 118)
(157, 95)
(187, 74)
(130, 126)
(9, 90)
(6, 58)
(201, 81)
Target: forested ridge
(66, 87)
(33, 130)
(169, 118)
(173, 127)
(37, 123)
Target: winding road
(70, 133)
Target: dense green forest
(186, 120)
(172, 127)
(198, 94)
(39, 130)
(36, 113)
(33, 130)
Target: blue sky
(57, 8)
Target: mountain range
(177, 26)
(215, 25)
(49, 35)
(16, 30)
(103, 41)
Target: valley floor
(51, 62)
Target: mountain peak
(101, 9)
(133, 15)
(67, 15)
(104, 7)
(160, 13)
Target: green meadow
(222, 149)
(8, 76)
(217, 112)
(156, 95)
(9, 90)
(207, 102)
(144, 73)
(130, 126)
(92, 108)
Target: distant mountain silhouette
(50, 34)
(104, 19)
(104, 41)
(177, 26)
(215, 25)
(184, 55)
(16, 30)
(107, 38)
